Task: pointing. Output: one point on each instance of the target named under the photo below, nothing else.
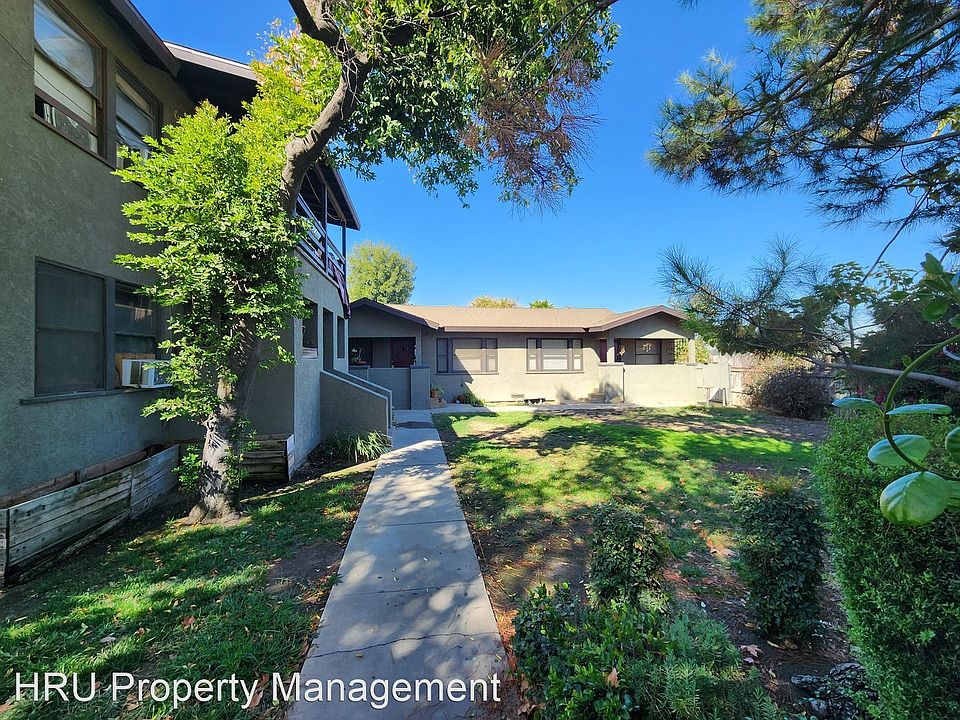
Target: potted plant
(436, 392)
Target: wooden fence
(64, 520)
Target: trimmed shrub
(791, 391)
(781, 553)
(901, 584)
(620, 659)
(628, 553)
(355, 447)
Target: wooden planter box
(272, 460)
(67, 519)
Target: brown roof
(455, 318)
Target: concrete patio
(410, 603)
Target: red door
(401, 352)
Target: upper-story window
(67, 78)
(138, 114)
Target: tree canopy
(488, 301)
(542, 304)
(855, 100)
(377, 271)
(448, 89)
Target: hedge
(901, 585)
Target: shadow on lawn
(175, 602)
(528, 483)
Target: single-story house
(644, 356)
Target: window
(475, 356)
(67, 80)
(69, 331)
(137, 115)
(341, 337)
(649, 352)
(554, 355)
(361, 352)
(134, 323)
(311, 335)
(602, 351)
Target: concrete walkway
(411, 603)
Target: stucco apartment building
(644, 356)
(81, 77)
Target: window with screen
(476, 356)
(70, 346)
(310, 340)
(138, 115)
(135, 322)
(554, 355)
(67, 82)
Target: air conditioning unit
(143, 374)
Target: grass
(176, 602)
(528, 480)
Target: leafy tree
(379, 272)
(542, 304)
(449, 88)
(488, 301)
(857, 102)
(853, 99)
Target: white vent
(143, 374)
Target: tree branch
(853, 367)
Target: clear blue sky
(601, 248)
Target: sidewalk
(411, 603)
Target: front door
(401, 352)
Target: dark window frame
(108, 335)
(122, 71)
(99, 127)
(445, 358)
(571, 355)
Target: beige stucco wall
(512, 377)
(61, 204)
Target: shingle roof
(453, 318)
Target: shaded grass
(527, 480)
(179, 602)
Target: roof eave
(639, 315)
(367, 302)
(124, 12)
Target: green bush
(355, 447)
(901, 584)
(622, 659)
(628, 553)
(792, 391)
(781, 547)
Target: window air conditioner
(143, 374)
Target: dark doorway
(402, 352)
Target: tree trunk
(219, 494)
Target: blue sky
(602, 248)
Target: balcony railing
(322, 250)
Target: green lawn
(527, 480)
(179, 603)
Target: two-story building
(80, 78)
